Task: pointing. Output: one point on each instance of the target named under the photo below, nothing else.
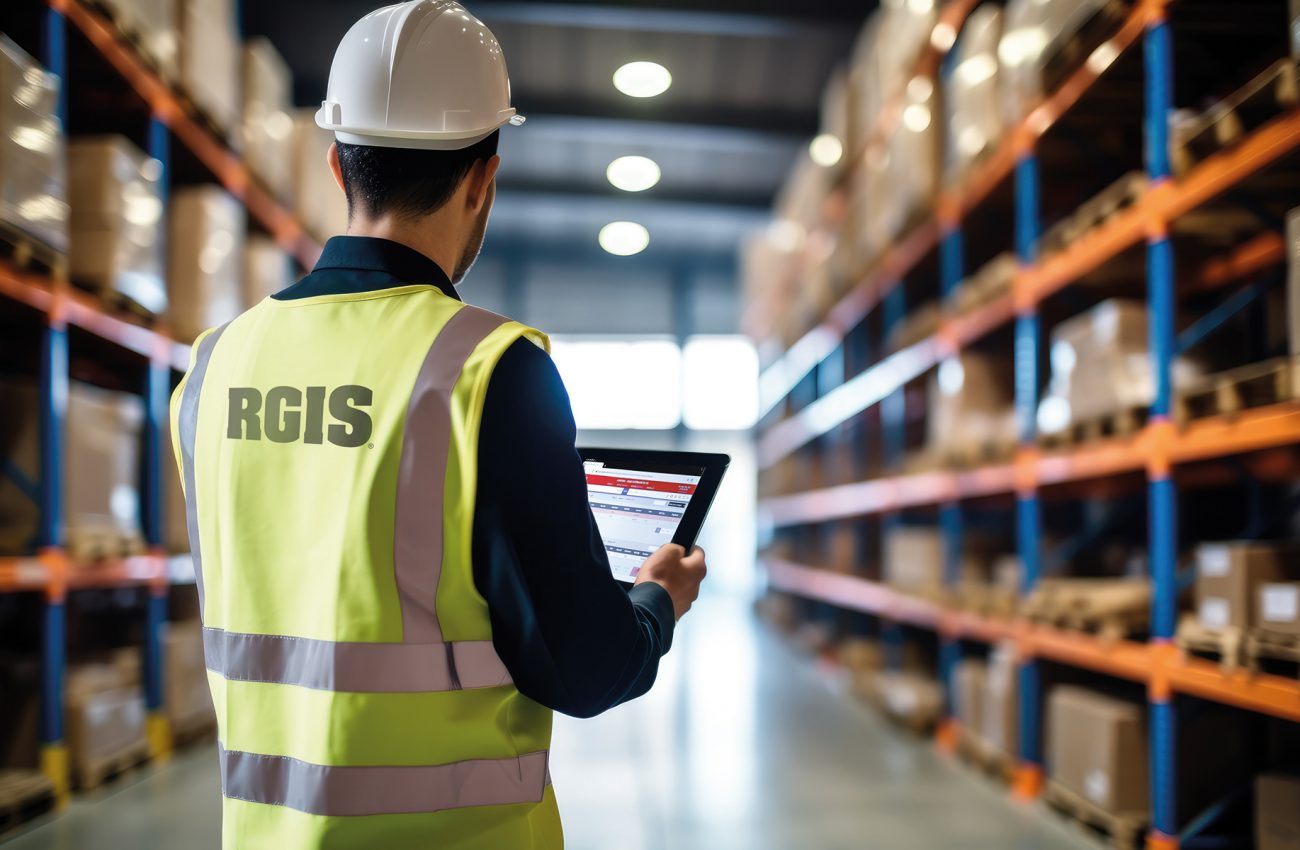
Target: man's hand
(676, 572)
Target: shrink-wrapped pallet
(32, 159)
(101, 497)
(105, 723)
(205, 259)
(152, 27)
(267, 123)
(1034, 32)
(317, 198)
(914, 156)
(114, 191)
(209, 60)
(1000, 711)
(971, 95)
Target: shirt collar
(403, 264)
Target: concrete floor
(742, 745)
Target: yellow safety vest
(328, 448)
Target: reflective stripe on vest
(353, 791)
(189, 426)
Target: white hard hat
(424, 74)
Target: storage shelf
(62, 303)
(169, 108)
(951, 207)
(1160, 205)
(1158, 665)
(1203, 439)
(54, 572)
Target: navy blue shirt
(572, 638)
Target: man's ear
(332, 158)
(478, 182)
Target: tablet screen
(637, 511)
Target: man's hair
(406, 182)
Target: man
(398, 572)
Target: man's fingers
(695, 560)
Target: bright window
(622, 384)
(720, 380)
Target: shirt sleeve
(571, 636)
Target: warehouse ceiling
(747, 83)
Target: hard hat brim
(416, 139)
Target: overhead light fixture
(642, 79)
(826, 150)
(624, 238)
(633, 173)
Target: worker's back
(329, 455)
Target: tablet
(644, 499)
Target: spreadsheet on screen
(637, 511)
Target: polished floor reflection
(743, 745)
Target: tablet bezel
(713, 467)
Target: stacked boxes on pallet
(32, 166)
(971, 94)
(1097, 749)
(1230, 578)
(113, 190)
(209, 60)
(206, 259)
(1000, 713)
(105, 722)
(151, 25)
(102, 492)
(913, 560)
(970, 410)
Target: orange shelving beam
(228, 167)
(1276, 696)
(31, 574)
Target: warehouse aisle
(742, 746)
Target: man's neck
(425, 236)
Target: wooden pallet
(1227, 122)
(28, 253)
(1237, 649)
(97, 544)
(1125, 831)
(1228, 393)
(1121, 423)
(1263, 647)
(94, 772)
(1093, 213)
(24, 795)
(982, 756)
(1112, 610)
(965, 456)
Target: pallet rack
(1156, 449)
(52, 572)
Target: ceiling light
(642, 79)
(624, 238)
(633, 173)
(826, 150)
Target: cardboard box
(209, 60)
(1097, 748)
(971, 94)
(187, 699)
(1277, 811)
(1278, 608)
(913, 559)
(32, 167)
(317, 198)
(20, 450)
(116, 211)
(267, 124)
(1000, 713)
(205, 259)
(969, 396)
(969, 681)
(104, 718)
(102, 466)
(267, 269)
(1228, 577)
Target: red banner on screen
(641, 484)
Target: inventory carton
(209, 59)
(115, 196)
(267, 124)
(267, 269)
(1000, 712)
(32, 168)
(913, 559)
(1277, 812)
(969, 678)
(105, 721)
(102, 470)
(970, 395)
(1228, 577)
(1278, 608)
(1097, 748)
(205, 259)
(187, 700)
